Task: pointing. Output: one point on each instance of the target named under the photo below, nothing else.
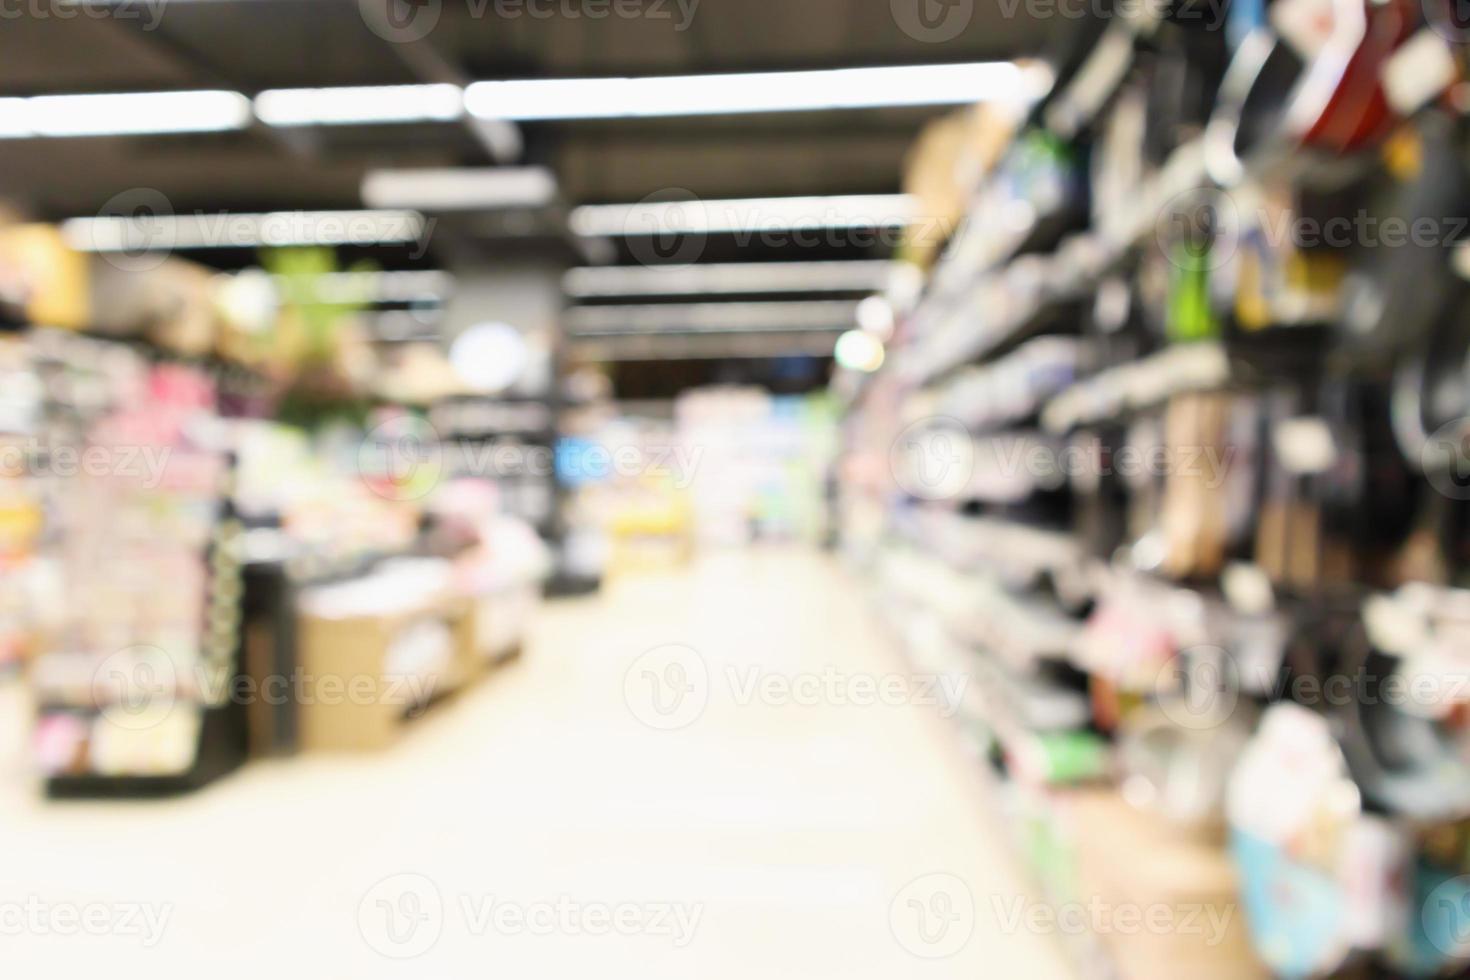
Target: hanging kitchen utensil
(1406, 725)
(1367, 497)
(1185, 67)
(1406, 279)
(1312, 80)
(1431, 395)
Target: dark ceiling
(250, 45)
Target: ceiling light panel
(360, 105)
(786, 91)
(746, 215)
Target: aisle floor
(572, 816)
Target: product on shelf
(1209, 432)
(43, 277)
(499, 560)
(143, 530)
(756, 464)
(948, 161)
(25, 577)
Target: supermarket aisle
(593, 810)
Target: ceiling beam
(303, 145)
(501, 139)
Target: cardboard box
(354, 694)
(946, 166)
(1133, 865)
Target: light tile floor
(769, 836)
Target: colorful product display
(757, 464)
(141, 530)
(23, 498)
(1213, 518)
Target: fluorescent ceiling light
(460, 188)
(739, 277)
(15, 118)
(161, 233)
(745, 215)
(603, 321)
(704, 346)
(784, 91)
(362, 104)
(132, 113)
(125, 114)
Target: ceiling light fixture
(460, 188)
(15, 118)
(124, 114)
(360, 105)
(162, 233)
(704, 346)
(752, 215)
(134, 113)
(783, 91)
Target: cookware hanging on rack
(1406, 725)
(1367, 497)
(1312, 80)
(1406, 284)
(1186, 63)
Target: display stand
(137, 691)
(222, 740)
